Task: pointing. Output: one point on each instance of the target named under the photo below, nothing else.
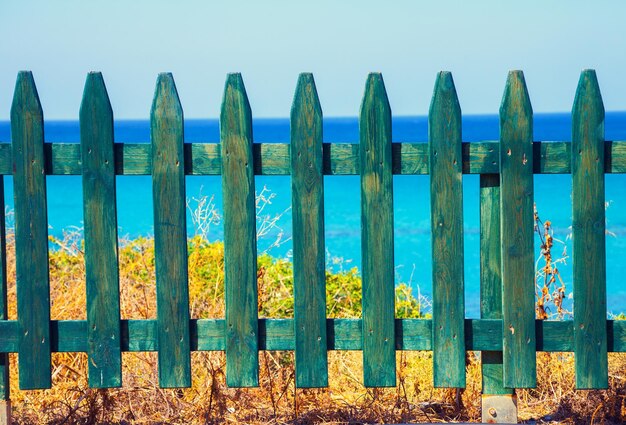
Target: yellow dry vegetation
(140, 400)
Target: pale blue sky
(270, 42)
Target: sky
(271, 42)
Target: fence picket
(170, 235)
(379, 359)
(5, 390)
(446, 200)
(309, 254)
(31, 235)
(588, 228)
(240, 251)
(491, 278)
(516, 206)
(100, 218)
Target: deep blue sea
(342, 198)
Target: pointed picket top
(95, 103)
(166, 102)
(444, 96)
(516, 100)
(25, 97)
(375, 96)
(306, 102)
(444, 115)
(588, 97)
(235, 103)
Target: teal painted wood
(31, 235)
(516, 224)
(5, 390)
(100, 218)
(273, 159)
(309, 253)
(240, 251)
(170, 234)
(446, 206)
(343, 334)
(379, 358)
(491, 278)
(588, 228)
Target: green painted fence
(507, 334)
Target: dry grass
(140, 400)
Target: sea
(412, 240)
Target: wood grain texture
(240, 251)
(516, 224)
(31, 235)
(491, 278)
(170, 234)
(589, 228)
(5, 391)
(379, 360)
(446, 206)
(342, 334)
(309, 253)
(204, 159)
(100, 221)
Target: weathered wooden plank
(341, 158)
(203, 159)
(31, 235)
(67, 336)
(139, 335)
(62, 159)
(170, 234)
(5, 392)
(588, 228)
(379, 360)
(100, 218)
(616, 336)
(491, 278)
(516, 218)
(133, 159)
(9, 336)
(309, 253)
(342, 334)
(446, 206)
(240, 251)
(414, 334)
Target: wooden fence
(507, 334)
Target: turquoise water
(342, 198)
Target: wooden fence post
(170, 235)
(379, 348)
(31, 235)
(240, 250)
(499, 404)
(309, 254)
(5, 390)
(446, 200)
(100, 217)
(588, 228)
(517, 224)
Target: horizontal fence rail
(274, 159)
(508, 333)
